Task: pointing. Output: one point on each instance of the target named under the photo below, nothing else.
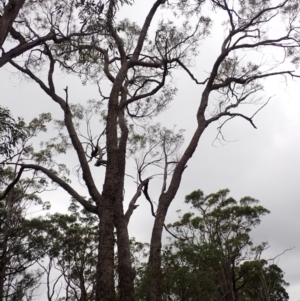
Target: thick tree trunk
(125, 270)
(111, 197)
(226, 282)
(105, 288)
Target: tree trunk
(83, 292)
(153, 272)
(164, 202)
(105, 288)
(225, 282)
(125, 270)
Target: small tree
(22, 237)
(71, 255)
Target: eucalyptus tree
(212, 256)
(138, 63)
(22, 236)
(71, 255)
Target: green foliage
(11, 131)
(21, 238)
(215, 259)
(215, 256)
(72, 246)
(267, 279)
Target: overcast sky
(263, 163)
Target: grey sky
(263, 163)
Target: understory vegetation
(209, 256)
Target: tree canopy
(210, 255)
(133, 66)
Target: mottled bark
(2, 270)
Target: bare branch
(145, 95)
(114, 33)
(250, 79)
(190, 73)
(12, 184)
(56, 179)
(141, 40)
(87, 176)
(132, 205)
(21, 48)
(286, 250)
(11, 11)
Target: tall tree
(102, 47)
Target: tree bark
(83, 296)
(125, 270)
(111, 190)
(11, 11)
(105, 289)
